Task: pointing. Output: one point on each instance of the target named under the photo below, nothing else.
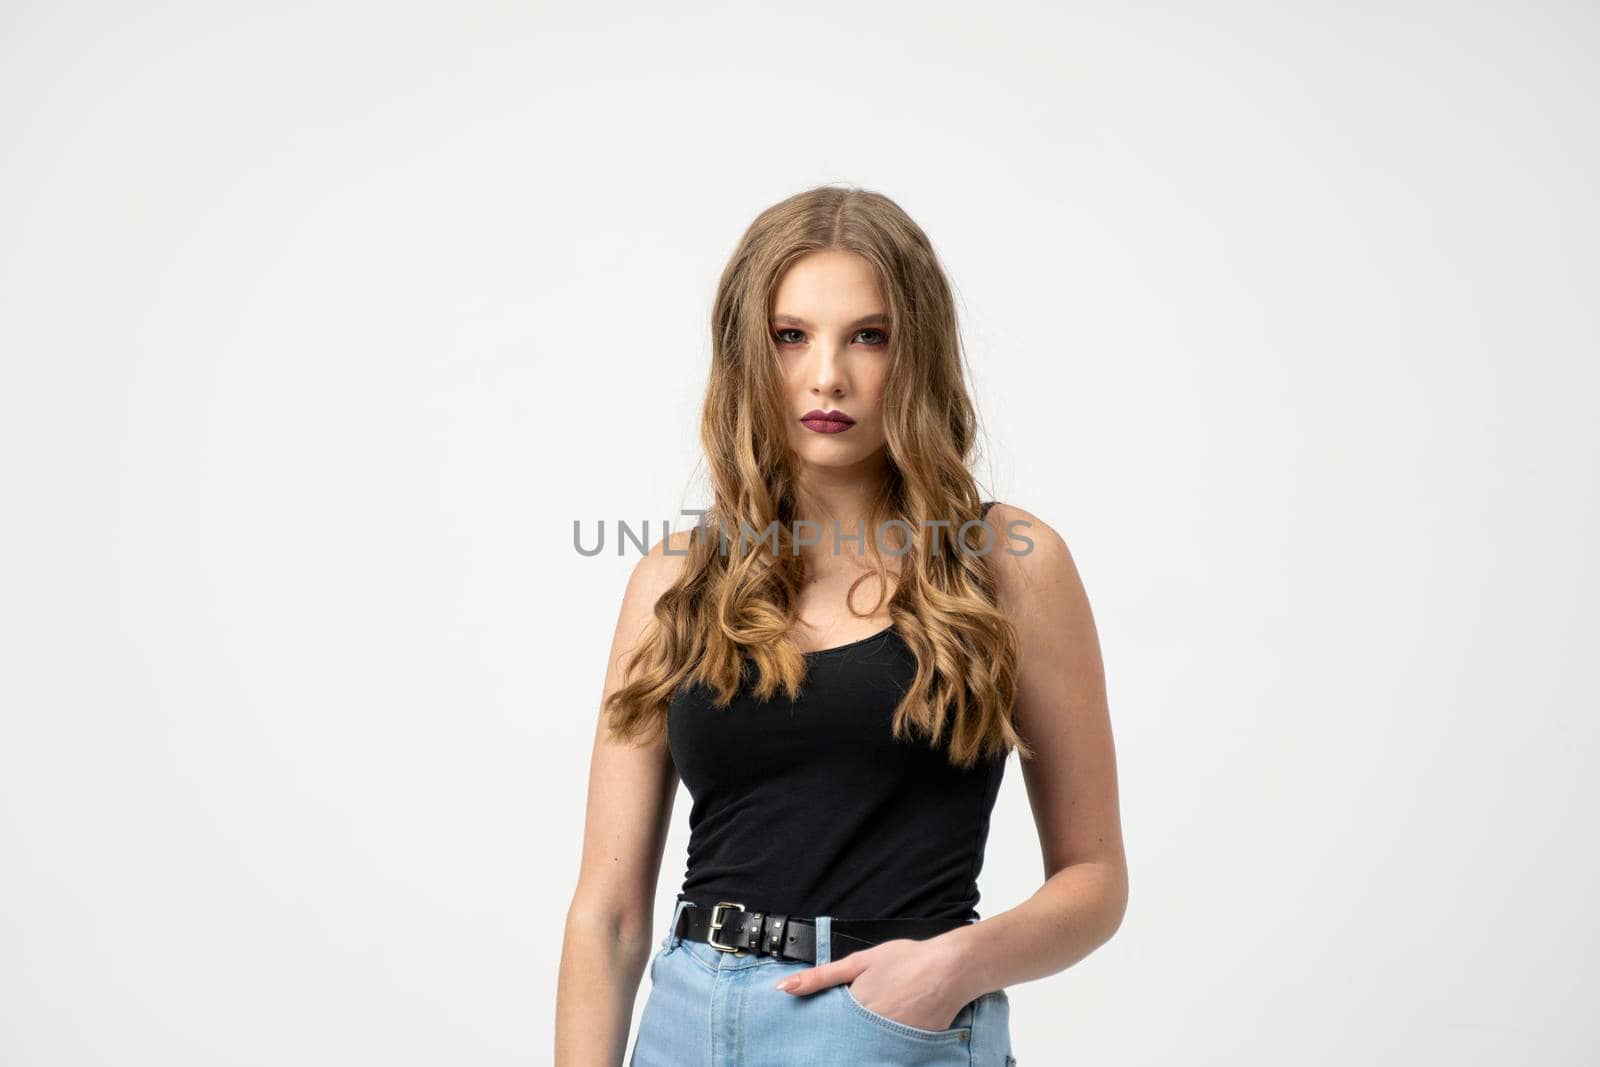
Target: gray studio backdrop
(321, 324)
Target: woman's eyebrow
(865, 320)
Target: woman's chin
(835, 457)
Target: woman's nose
(828, 374)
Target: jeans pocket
(960, 1031)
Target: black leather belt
(731, 927)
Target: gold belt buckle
(716, 924)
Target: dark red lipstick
(827, 421)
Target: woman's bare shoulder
(1029, 556)
(1017, 528)
(655, 572)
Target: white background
(322, 323)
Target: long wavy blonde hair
(736, 597)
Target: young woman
(837, 663)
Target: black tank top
(812, 807)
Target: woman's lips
(827, 421)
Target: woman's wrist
(965, 966)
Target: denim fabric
(709, 1008)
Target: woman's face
(830, 326)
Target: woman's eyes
(882, 338)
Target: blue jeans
(709, 1008)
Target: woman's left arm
(1072, 785)
(1062, 713)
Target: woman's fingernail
(787, 983)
